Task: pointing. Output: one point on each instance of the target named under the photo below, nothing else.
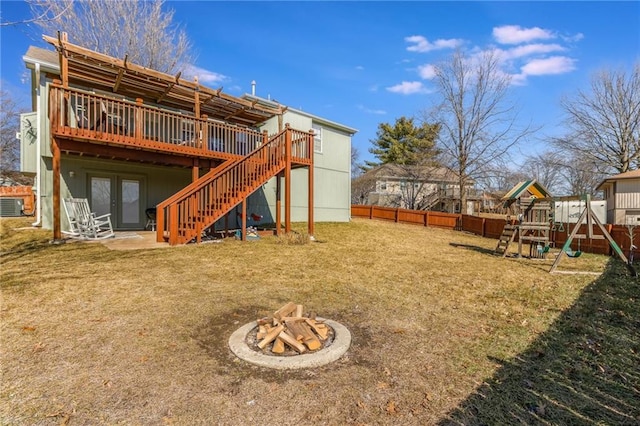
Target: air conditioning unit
(11, 207)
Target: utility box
(11, 207)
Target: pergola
(82, 66)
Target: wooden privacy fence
(492, 228)
(416, 217)
(23, 192)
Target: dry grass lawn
(444, 332)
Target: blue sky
(363, 63)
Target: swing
(542, 250)
(572, 253)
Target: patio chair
(151, 218)
(83, 224)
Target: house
(490, 202)
(622, 193)
(417, 188)
(130, 139)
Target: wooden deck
(131, 113)
(85, 117)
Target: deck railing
(184, 216)
(77, 113)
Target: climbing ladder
(508, 235)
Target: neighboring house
(418, 188)
(622, 193)
(128, 138)
(490, 202)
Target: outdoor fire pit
(289, 340)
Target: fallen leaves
(391, 407)
(65, 416)
(39, 347)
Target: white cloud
(359, 67)
(204, 76)
(573, 38)
(421, 44)
(530, 49)
(515, 34)
(518, 79)
(371, 111)
(427, 71)
(547, 66)
(408, 88)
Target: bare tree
(581, 176)
(361, 186)
(477, 118)
(140, 30)
(356, 167)
(48, 12)
(9, 127)
(546, 168)
(605, 121)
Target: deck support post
(196, 98)
(63, 39)
(278, 203)
(310, 205)
(195, 170)
(287, 181)
(244, 219)
(55, 150)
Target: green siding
(332, 176)
(159, 182)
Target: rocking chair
(85, 225)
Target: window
(383, 186)
(317, 138)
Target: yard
(443, 332)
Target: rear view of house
(132, 140)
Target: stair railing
(187, 213)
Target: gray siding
(628, 194)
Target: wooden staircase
(506, 238)
(184, 216)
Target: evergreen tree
(404, 143)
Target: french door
(121, 195)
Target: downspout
(38, 153)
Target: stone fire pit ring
(341, 342)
